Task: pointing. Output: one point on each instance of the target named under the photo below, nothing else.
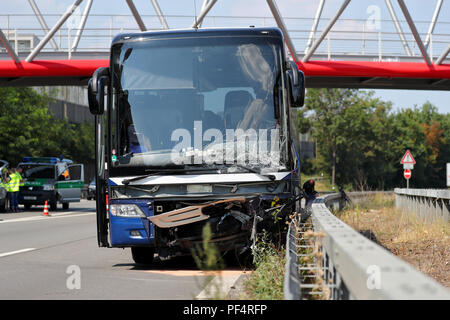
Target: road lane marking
(52, 216)
(16, 252)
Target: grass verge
(266, 281)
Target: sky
(256, 12)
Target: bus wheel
(27, 206)
(65, 205)
(143, 255)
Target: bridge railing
(349, 37)
(429, 204)
(348, 265)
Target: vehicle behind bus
(51, 179)
(198, 129)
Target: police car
(56, 180)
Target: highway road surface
(57, 257)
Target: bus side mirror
(96, 90)
(297, 79)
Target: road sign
(408, 166)
(407, 173)
(448, 174)
(408, 158)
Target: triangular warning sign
(408, 158)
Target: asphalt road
(57, 257)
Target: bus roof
(201, 32)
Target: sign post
(408, 163)
(407, 175)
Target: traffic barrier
(429, 204)
(45, 213)
(353, 267)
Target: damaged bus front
(196, 129)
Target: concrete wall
(74, 113)
(70, 102)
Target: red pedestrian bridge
(331, 55)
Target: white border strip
(15, 252)
(41, 218)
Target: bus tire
(65, 205)
(143, 255)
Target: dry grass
(425, 245)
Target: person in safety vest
(21, 182)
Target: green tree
(361, 141)
(425, 132)
(25, 122)
(341, 126)
(28, 129)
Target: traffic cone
(46, 209)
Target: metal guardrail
(353, 267)
(291, 288)
(429, 204)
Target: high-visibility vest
(21, 183)
(7, 185)
(14, 182)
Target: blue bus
(195, 127)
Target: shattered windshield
(196, 101)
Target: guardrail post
(435, 206)
(446, 209)
(427, 204)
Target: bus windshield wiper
(258, 172)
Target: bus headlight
(48, 187)
(126, 210)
